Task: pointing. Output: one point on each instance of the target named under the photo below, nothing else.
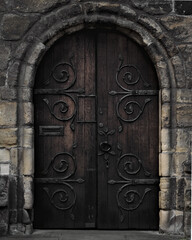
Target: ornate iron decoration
(105, 148)
(131, 110)
(63, 198)
(127, 197)
(65, 75)
(63, 110)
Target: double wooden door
(96, 134)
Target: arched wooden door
(96, 134)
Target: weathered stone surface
(182, 140)
(179, 26)
(13, 73)
(8, 137)
(16, 229)
(2, 78)
(184, 115)
(8, 111)
(179, 159)
(186, 50)
(165, 97)
(33, 55)
(4, 213)
(26, 218)
(28, 193)
(153, 6)
(4, 169)
(13, 198)
(180, 183)
(28, 113)
(165, 164)
(127, 11)
(4, 184)
(5, 52)
(14, 26)
(167, 193)
(179, 71)
(165, 139)
(183, 7)
(150, 24)
(187, 223)
(37, 5)
(187, 199)
(163, 74)
(4, 155)
(28, 161)
(184, 95)
(14, 161)
(171, 221)
(28, 138)
(2, 6)
(27, 94)
(8, 93)
(165, 115)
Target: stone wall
(29, 27)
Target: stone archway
(42, 35)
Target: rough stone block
(171, 221)
(165, 139)
(13, 191)
(127, 11)
(184, 115)
(28, 161)
(2, 78)
(184, 95)
(163, 74)
(187, 223)
(28, 137)
(182, 140)
(165, 115)
(186, 50)
(179, 71)
(165, 95)
(8, 137)
(28, 113)
(8, 93)
(26, 217)
(187, 199)
(8, 113)
(179, 26)
(180, 193)
(4, 169)
(5, 52)
(14, 161)
(165, 164)
(150, 24)
(179, 159)
(4, 155)
(28, 193)
(167, 194)
(2, 6)
(27, 94)
(14, 26)
(34, 54)
(3, 229)
(27, 75)
(16, 229)
(4, 184)
(12, 75)
(153, 6)
(36, 5)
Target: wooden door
(96, 135)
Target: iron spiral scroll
(64, 197)
(129, 165)
(129, 110)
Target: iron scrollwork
(105, 148)
(63, 110)
(128, 198)
(63, 73)
(129, 110)
(63, 198)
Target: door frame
(31, 55)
